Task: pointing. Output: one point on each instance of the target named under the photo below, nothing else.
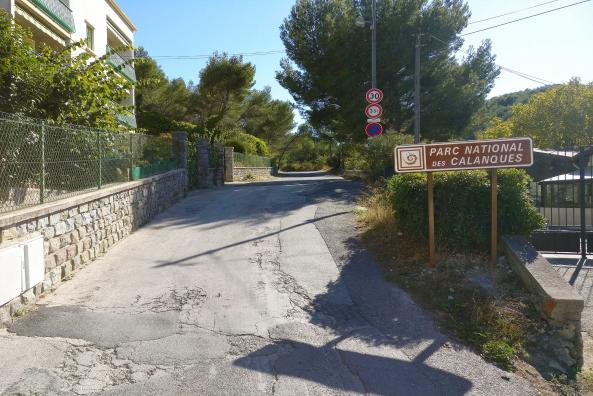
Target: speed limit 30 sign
(374, 95)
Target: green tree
(328, 66)
(557, 118)
(64, 86)
(217, 101)
(267, 118)
(159, 101)
(497, 129)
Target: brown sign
(478, 154)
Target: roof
(122, 14)
(570, 177)
(560, 153)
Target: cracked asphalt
(248, 289)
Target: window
(90, 37)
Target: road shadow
(363, 310)
(362, 372)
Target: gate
(563, 193)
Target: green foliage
(376, 154)
(266, 118)
(306, 153)
(248, 144)
(498, 129)
(462, 207)
(159, 101)
(63, 86)
(218, 99)
(499, 108)
(499, 352)
(328, 79)
(557, 118)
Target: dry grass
(495, 322)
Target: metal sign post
(493, 216)
(431, 237)
(480, 154)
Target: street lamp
(361, 22)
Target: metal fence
(40, 162)
(563, 193)
(251, 161)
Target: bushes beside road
(462, 207)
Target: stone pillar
(203, 163)
(229, 163)
(180, 148)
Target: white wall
(96, 12)
(7, 5)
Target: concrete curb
(554, 296)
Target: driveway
(247, 289)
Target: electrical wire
(204, 56)
(513, 12)
(526, 76)
(524, 18)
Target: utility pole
(374, 43)
(417, 89)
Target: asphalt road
(247, 289)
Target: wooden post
(493, 216)
(431, 238)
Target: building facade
(102, 24)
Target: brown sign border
(425, 165)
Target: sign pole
(431, 237)
(493, 216)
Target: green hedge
(462, 207)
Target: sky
(553, 47)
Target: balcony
(58, 11)
(121, 65)
(128, 119)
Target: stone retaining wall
(79, 229)
(239, 174)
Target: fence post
(582, 196)
(229, 159)
(131, 157)
(42, 181)
(100, 184)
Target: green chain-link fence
(248, 161)
(40, 162)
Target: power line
(513, 12)
(527, 17)
(206, 56)
(518, 73)
(527, 76)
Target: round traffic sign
(374, 129)
(373, 111)
(374, 95)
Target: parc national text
(485, 154)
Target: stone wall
(79, 229)
(239, 174)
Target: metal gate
(563, 192)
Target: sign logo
(374, 95)
(479, 154)
(374, 129)
(411, 159)
(373, 111)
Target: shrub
(462, 207)
(248, 144)
(376, 154)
